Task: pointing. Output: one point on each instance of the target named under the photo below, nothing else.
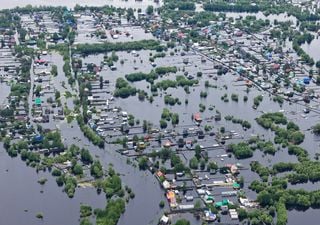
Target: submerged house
(197, 117)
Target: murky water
(312, 49)
(22, 199)
(146, 188)
(17, 178)
(283, 17)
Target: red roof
(197, 117)
(276, 66)
(40, 61)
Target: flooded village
(160, 112)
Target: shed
(37, 101)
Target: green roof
(210, 197)
(236, 185)
(225, 202)
(37, 101)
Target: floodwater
(147, 191)
(22, 200)
(282, 17)
(310, 216)
(21, 192)
(4, 4)
(4, 92)
(312, 49)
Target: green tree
(316, 129)
(149, 10)
(96, 169)
(143, 163)
(86, 156)
(265, 198)
(163, 124)
(197, 152)
(318, 65)
(77, 169)
(194, 163)
(182, 222)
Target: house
(197, 117)
(233, 214)
(40, 61)
(171, 197)
(164, 220)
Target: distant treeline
(87, 49)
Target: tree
(212, 166)
(163, 124)
(38, 90)
(101, 82)
(55, 37)
(77, 169)
(303, 201)
(85, 221)
(318, 65)
(143, 163)
(130, 14)
(296, 137)
(57, 95)
(197, 152)
(241, 150)
(145, 126)
(96, 169)
(318, 80)
(86, 156)
(149, 10)
(265, 198)
(316, 129)
(242, 214)
(182, 222)
(161, 204)
(54, 70)
(194, 163)
(175, 119)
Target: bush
(161, 204)
(316, 129)
(241, 150)
(85, 211)
(56, 173)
